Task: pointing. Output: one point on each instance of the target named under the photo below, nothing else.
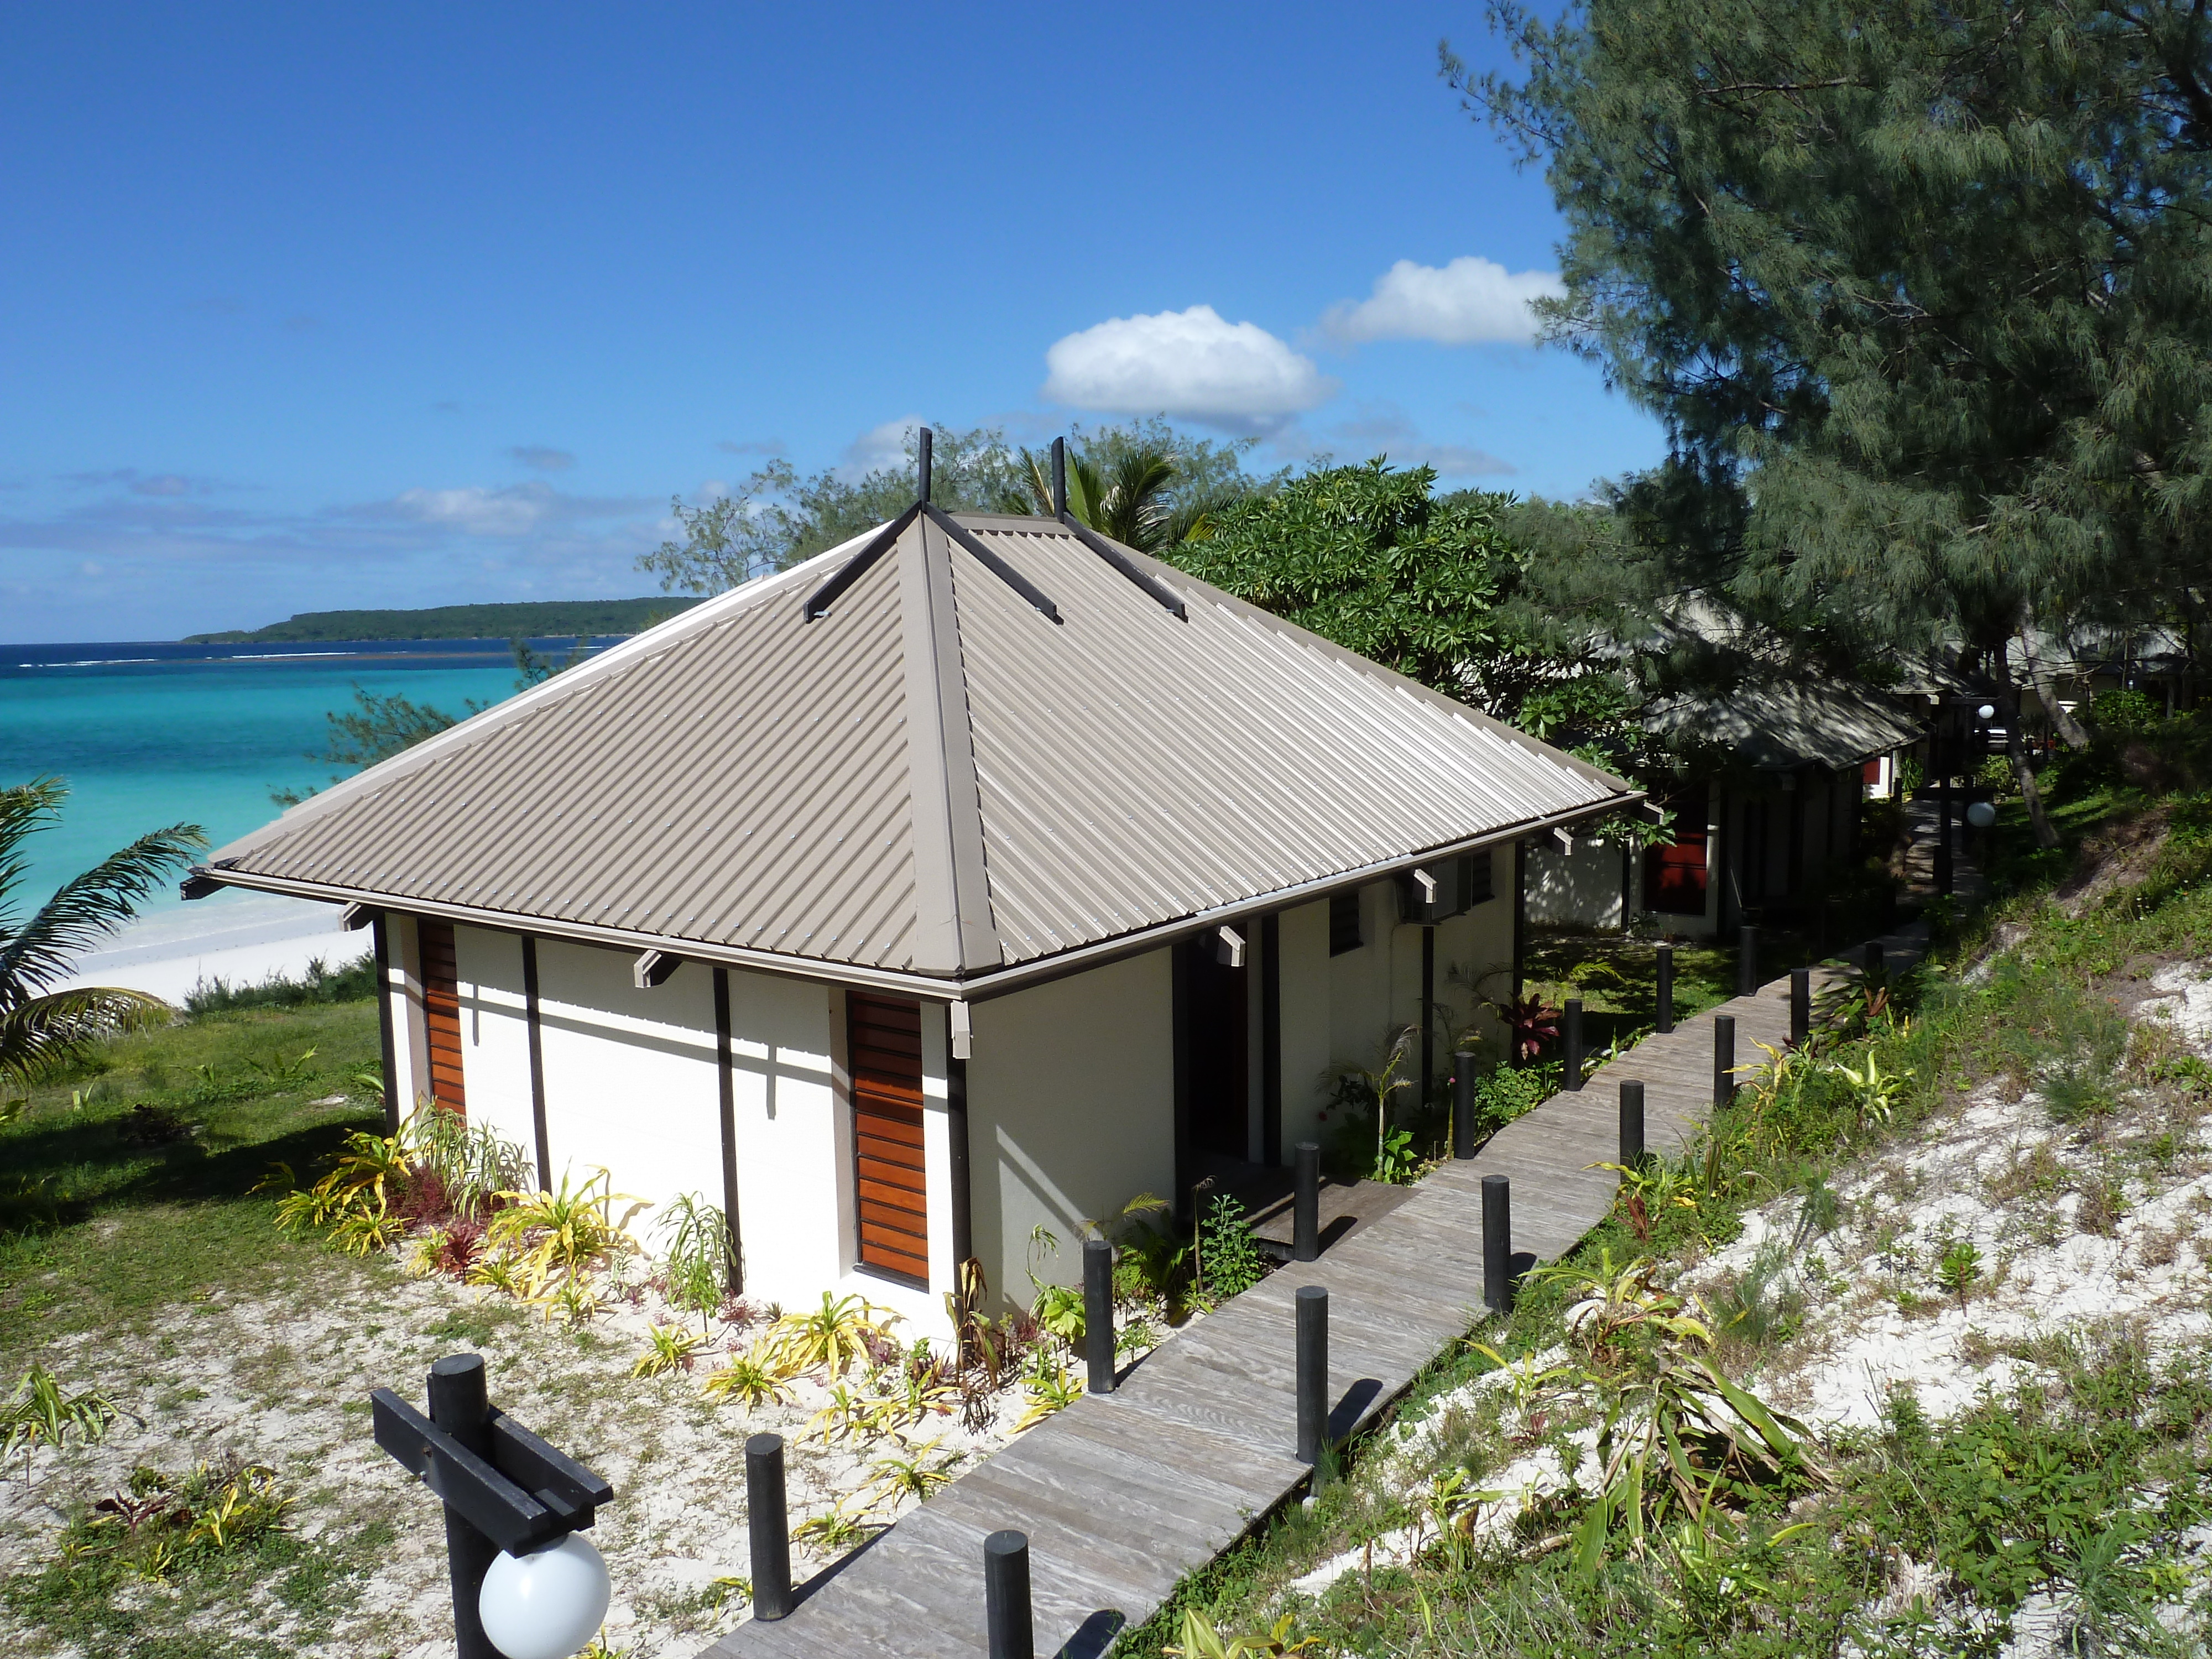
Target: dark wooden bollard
(1462, 1105)
(1665, 989)
(769, 1525)
(1497, 1243)
(1006, 1595)
(1099, 1314)
(1873, 961)
(1632, 1122)
(1313, 1374)
(1305, 1205)
(1801, 1007)
(1723, 1059)
(1572, 1044)
(460, 1404)
(1747, 960)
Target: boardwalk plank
(1123, 1495)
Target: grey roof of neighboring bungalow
(1776, 727)
(934, 786)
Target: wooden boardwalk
(1123, 1495)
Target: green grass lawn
(128, 1185)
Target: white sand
(240, 938)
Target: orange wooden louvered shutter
(883, 1045)
(441, 1014)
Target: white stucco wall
(410, 1051)
(495, 1036)
(1071, 1112)
(1577, 889)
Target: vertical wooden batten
(1270, 1042)
(387, 1045)
(725, 1083)
(537, 1064)
(1180, 1022)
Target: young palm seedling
(668, 1348)
(917, 1477)
(833, 1336)
(759, 1376)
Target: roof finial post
(921, 465)
(1059, 477)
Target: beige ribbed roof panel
(933, 779)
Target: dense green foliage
(1918, 291)
(40, 1026)
(529, 619)
(1141, 477)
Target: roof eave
(975, 987)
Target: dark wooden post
(1801, 1007)
(1012, 1630)
(460, 1404)
(1942, 817)
(1099, 1313)
(1723, 1059)
(1747, 960)
(1428, 1016)
(1305, 1205)
(1462, 1105)
(380, 937)
(1632, 1122)
(1665, 989)
(1497, 1243)
(1571, 1045)
(767, 1526)
(1873, 960)
(1312, 1302)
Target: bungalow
(978, 874)
(1766, 814)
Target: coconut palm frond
(87, 908)
(47, 1030)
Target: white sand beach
(239, 938)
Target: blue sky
(306, 307)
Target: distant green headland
(534, 619)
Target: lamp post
(527, 1584)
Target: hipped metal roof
(933, 785)
(1777, 727)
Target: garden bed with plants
(210, 1252)
(1913, 1355)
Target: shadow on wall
(1581, 889)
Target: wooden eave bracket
(961, 1023)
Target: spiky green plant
(834, 1335)
(40, 1028)
(39, 1413)
(696, 1241)
(759, 1376)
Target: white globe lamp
(1988, 711)
(547, 1604)
(1981, 815)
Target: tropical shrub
(1228, 1261)
(39, 1413)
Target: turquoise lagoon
(148, 735)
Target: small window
(1475, 880)
(1344, 923)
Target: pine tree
(1919, 291)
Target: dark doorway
(1220, 1110)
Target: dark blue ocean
(154, 734)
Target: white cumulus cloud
(1188, 364)
(1467, 302)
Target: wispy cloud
(880, 448)
(1469, 301)
(1188, 365)
(1384, 430)
(141, 484)
(544, 457)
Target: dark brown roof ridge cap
(584, 678)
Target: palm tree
(39, 1030)
(1127, 497)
